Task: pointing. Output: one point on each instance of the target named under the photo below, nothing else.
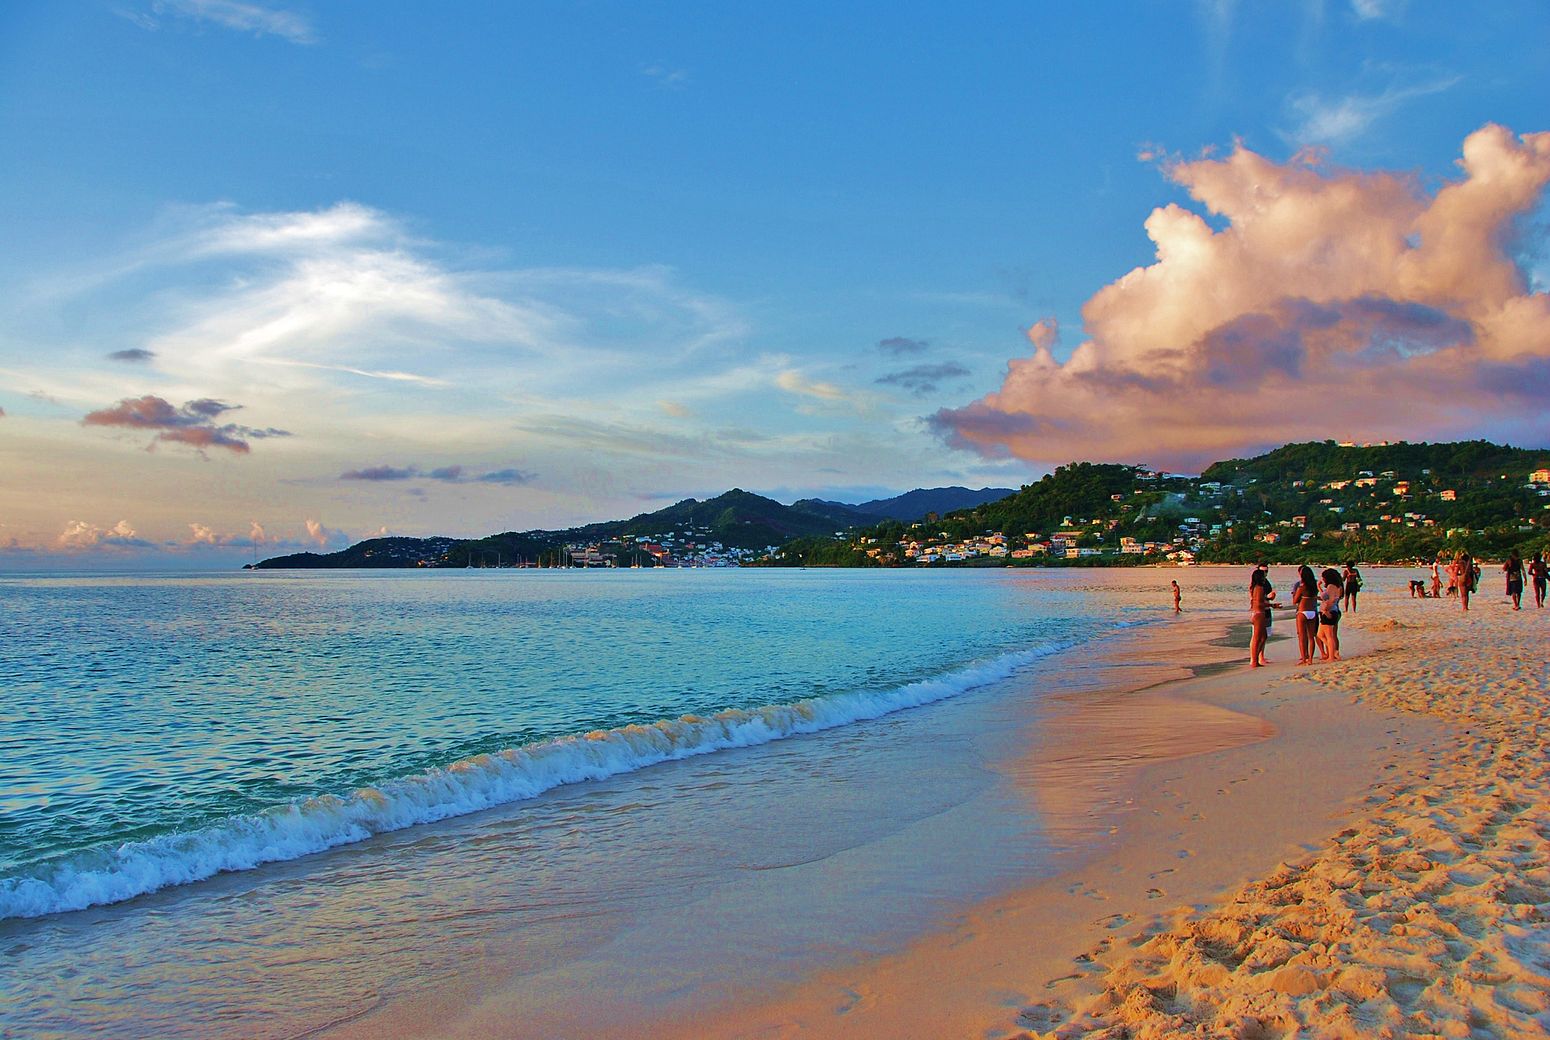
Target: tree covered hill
(1307, 501)
(1326, 460)
(737, 519)
(912, 505)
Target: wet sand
(1171, 797)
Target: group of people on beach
(1463, 573)
(1318, 602)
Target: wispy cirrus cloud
(665, 75)
(237, 15)
(1358, 302)
(455, 474)
(1322, 119)
(194, 424)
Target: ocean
(485, 753)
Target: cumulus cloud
(79, 534)
(899, 345)
(1331, 303)
(133, 354)
(321, 536)
(447, 474)
(924, 379)
(194, 424)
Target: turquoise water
(155, 731)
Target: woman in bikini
(1260, 598)
(1329, 614)
(1464, 576)
(1305, 600)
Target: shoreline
(1186, 823)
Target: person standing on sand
(1463, 576)
(1177, 597)
(1540, 572)
(1353, 585)
(1513, 568)
(1329, 613)
(1260, 597)
(1305, 601)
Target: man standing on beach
(1177, 596)
(1353, 585)
(1513, 568)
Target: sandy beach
(1425, 917)
(1145, 838)
(1357, 849)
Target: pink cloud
(194, 424)
(1332, 304)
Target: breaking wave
(111, 874)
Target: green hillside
(1315, 501)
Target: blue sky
(582, 260)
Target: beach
(1141, 838)
(1377, 865)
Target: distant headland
(1317, 500)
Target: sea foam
(113, 874)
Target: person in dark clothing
(1353, 585)
(1513, 568)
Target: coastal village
(1365, 502)
(1316, 500)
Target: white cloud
(240, 16)
(795, 382)
(80, 534)
(1334, 120)
(321, 536)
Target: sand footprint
(1043, 1017)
